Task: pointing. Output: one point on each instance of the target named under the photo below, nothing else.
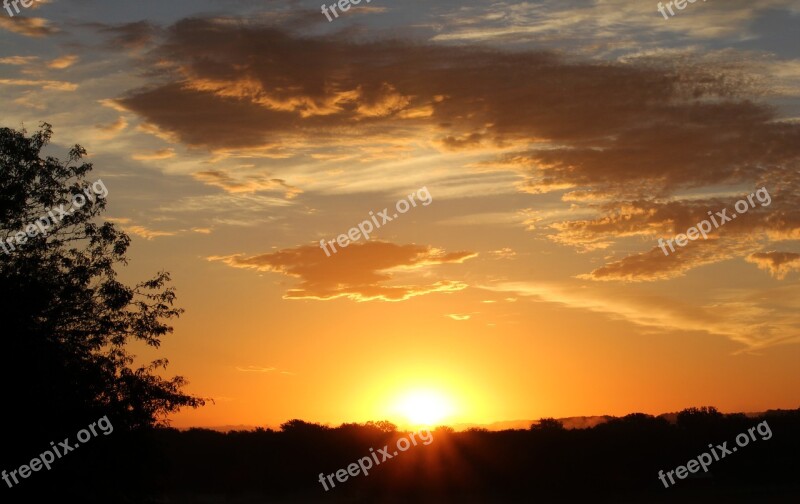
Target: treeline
(617, 461)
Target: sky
(542, 150)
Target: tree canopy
(67, 321)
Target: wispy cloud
(166, 153)
(601, 25)
(751, 320)
(246, 183)
(43, 84)
(28, 26)
(146, 233)
(19, 60)
(261, 370)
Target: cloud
(252, 83)
(142, 231)
(112, 104)
(43, 84)
(655, 219)
(469, 141)
(259, 369)
(631, 142)
(657, 121)
(456, 316)
(113, 128)
(245, 184)
(754, 320)
(779, 264)
(146, 233)
(63, 62)
(236, 209)
(19, 60)
(360, 272)
(156, 155)
(606, 25)
(504, 253)
(256, 369)
(136, 35)
(28, 26)
(654, 265)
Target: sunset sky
(558, 141)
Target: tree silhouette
(67, 322)
(615, 461)
(382, 426)
(297, 426)
(547, 425)
(704, 418)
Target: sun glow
(424, 407)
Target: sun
(424, 407)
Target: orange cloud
(359, 272)
(504, 253)
(63, 62)
(246, 184)
(28, 26)
(146, 233)
(779, 264)
(19, 60)
(44, 84)
(654, 265)
(157, 155)
(660, 218)
(112, 128)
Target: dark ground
(613, 462)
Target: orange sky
(558, 142)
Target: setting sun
(424, 407)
